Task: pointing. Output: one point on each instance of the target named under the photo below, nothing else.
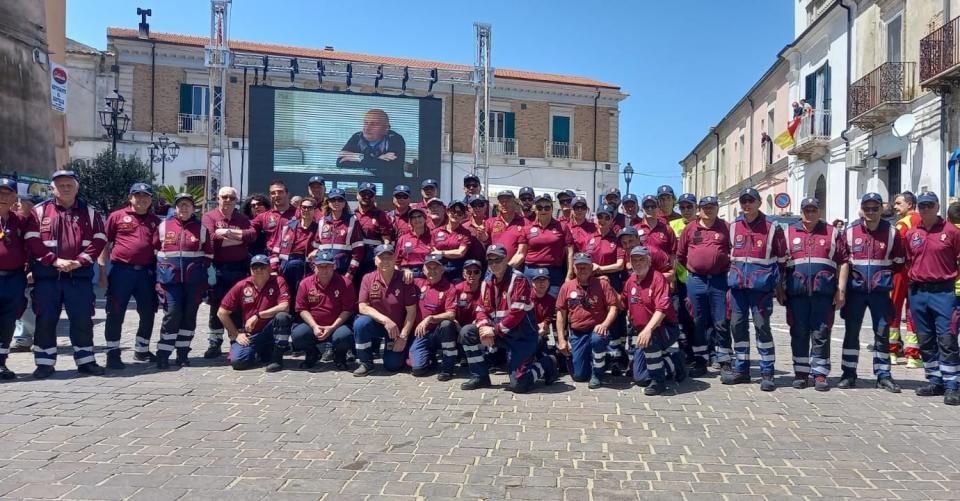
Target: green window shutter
(810, 93)
(509, 120)
(561, 129)
(826, 86)
(186, 98)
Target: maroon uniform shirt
(933, 253)
(545, 307)
(325, 302)
(76, 233)
(643, 298)
(477, 250)
(467, 301)
(132, 236)
(582, 233)
(547, 245)
(508, 234)
(250, 299)
(586, 306)
(412, 249)
(604, 249)
(660, 236)
(705, 251)
(214, 220)
(377, 227)
(434, 299)
(269, 222)
(444, 239)
(13, 248)
(389, 299)
(401, 222)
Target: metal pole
(163, 167)
(113, 131)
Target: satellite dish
(904, 125)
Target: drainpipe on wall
(696, 174)
(452, 101)
(750, 138)
(153, 85)
(596, 165)
(716, 164)
(846, 141)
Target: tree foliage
(168, 193)
(105, 182)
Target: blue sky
(684, 63)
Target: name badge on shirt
(375, 292)
(248, 294)
(739, 243)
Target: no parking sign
(781, 200)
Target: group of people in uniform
(540, 286)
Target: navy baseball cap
(709, 201)
(63, 173)
(629, 198)
(629, 230)
(183, 196)
(606, 209)
(472, 262)
(336, 193)
(401, 188)
(324, 257)
(429, 182)
(434, 201)
(689, 198)
(433, 257)
(476, 200)
(141, 188)
(536, 273)
(455, 203)
(809, 202)
(927, 197)
(496, 250)
(542, 197)
(526, 190)
(871, 197)
(580, 201)
(259, 260)
(639, 251)
(665, 190)
(651, 198)
(506, 193)
(749, 192)
(10, 184)
(582, 258)
(316, 180)
(365, 186)
(380, 249)
(566, 193)
(470, 177)
(417, 209)
(611, 191)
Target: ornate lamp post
(628, 176)
(164, 150)
(114, 120)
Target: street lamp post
(114, 120)
(163, 151)
(628, 175)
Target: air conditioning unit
(856, 159)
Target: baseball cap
(687, 198)
(665, 190)
(496, 250)
(457, 202)
(628, 198)
(401, 188)
(606, 209)
(749, 192)
(435, 200)
(259, 260)
(417, 209)
(336, 193)
(366, 186)
(639, 251)
(871, 197)
(651, 199)
(580, 201)
(183, 196)
(809, 202)
(316, 180)
(927, 197)
(433, 257)
(582, 258)
(526, 190)
(611, 191)
(476, 198)
(141, 188)
(543, 197)
(63, 173)
(472, 262)
(566, 193)
(324, 257)
(10, 184)
(709, 201)
(380, 249)
(470, 177)
(429, 182)
(536, 273)
(629, 230)
(506, 193)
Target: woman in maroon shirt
(414, 246)
(452, 241)
(549, 245)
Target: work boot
(183, 360)
(643, 383)
(847, 382)
(655, 387)
(930, 390)
(699, 369)
(113, 360)
(800, 380)
(727, 375)
(551, 375)
(163, 363)
(145, 356)
(43, 371)
(310, 358)
(594, 383)
(951, 397)
(766, 382)
(444, 376)
(476, 383)
(213, 351)
(681, 371)
(276, 360)
(327, 355)
(363, 370)
(737, 378)
(90, 369)
(6, 374)
(820, 383)
(887, 383)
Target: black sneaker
(144, 356)
(444, 376)
(363, 370)
(90, 369)
(766, 383)
(551, 376)
(476, 383)
(114, 362)
(310, 360)
(327, 356)
(594, 383)
(930, 390)
(736, 378)
(681, 372)
(847, 382)
(274, 367)
(888, 384)
(43, 371)
(643, 383)
(727, 376)
(820, 383)
(182, 360)
(6, 374)
(163, 363)
(213, 351)
(951, 397)
(801, 381)
(655, 387)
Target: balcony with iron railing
(940, 56)
(812, 137)
(503, 146)
(188, 123)
(882, 95)
(557, 149)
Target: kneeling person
(326, 303)
(435, 331)
(264, 300)
(388, 309)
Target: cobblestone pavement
(209, 432)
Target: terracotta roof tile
(245, 46)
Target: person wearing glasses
(289, 254)
(452, 241)
(631, 210)
(876, 255)
(340, 233)
(757, 259)
(655, 233)
(933, 252)
(253, 206)
(435, 330)
(507, 229)
(815, 287)
(667, 200)
(231, 233)
(505, 319)
(565, 201)
(387, 311)
(467, 294)
(580, 225)
(477, 206)
(414, 246)
(612, 198)
(375, 224)
(429, 189)
(184, 250)
(526, 196)
(471, 187)
(549, 245)
(704, 252)
(586, 309)
(400, 215)
(326, 304)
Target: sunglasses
(471, 186)
(544, 207)
(580, 208)
(526, 199)
(401, 196)
(650, 207)
(927, 205)
(871, 208)
(471, 272)
(337, 200)
(366, 194)
(256, 204)
(604, 216)
(307, 207)
(228, 197)
(494, 260)
(565, 201)
(455, 212)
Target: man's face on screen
(374, 127)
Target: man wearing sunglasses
(612, 198)
(756, 264)
(815, 287)
(933, 251)
(507, 229)
(429, 189)
(375, 224)
(654, 232)
(526, 197)
(876, 254)
(667, 200)
(565, 200)
(631, 210)
(400, 215)
(231, 233)
(471, 186)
